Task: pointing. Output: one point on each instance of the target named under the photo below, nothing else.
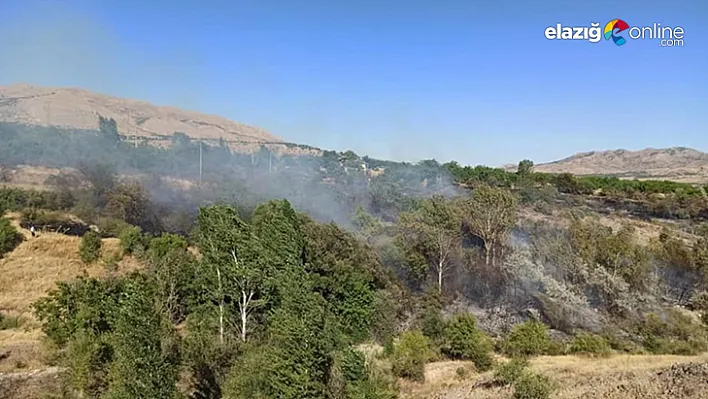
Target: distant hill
(78, 108)
(677, 164)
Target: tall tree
(433, 231)
(525, 168)
(144, 343)
(489, 213)
(237, 262)
(109, 129)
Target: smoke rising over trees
(263, 278)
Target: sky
(474, 81)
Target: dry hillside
(78, 108)
(26, 275)
(678, 164)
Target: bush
(508, 373)
(678, 335)
(9, 322)
(10, 238)
(410, 355)
(379, 384)
(528, 339)
(90, 248)
(132, 240)
(111, 227)
(533, 386)
(466, 341)
(161, 246)
(433, 325)
(590, 344)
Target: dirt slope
(78, 108)
(678, 163)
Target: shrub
(111, 227)
(90, 248)
(678, 335)
(9, 236)
(466, 341)
(9, 322)
(379, 384)
(533, 386)
(433, 325)
(161, 246)
(509, 372)
(528, 339)
(410, 356)
(132, 240)
(590, 344)
(389, 347)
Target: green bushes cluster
(674, 334)
(466, 341)
(410, 354)
(590, 345)
(9, 236)
(528, 339)
(526, 384)
(90, 247)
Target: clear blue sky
(469, 80)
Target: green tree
(236, 260)
(174, 274)
(130, 202)
(109, 129)
(490, 213)
(432, 231)
(525, 168)
(145, 359)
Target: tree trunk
(221, 308)
(440, 276)
(494, 255)
(243, 316)
(486, 254)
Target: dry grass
(28, 273)
(645, 230)
(621, 376)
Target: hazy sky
(471, 80)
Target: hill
(76, 108)
(677, 164)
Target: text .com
(618, 32)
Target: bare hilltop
(79, 109)
(677, 164)
(76, 108)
